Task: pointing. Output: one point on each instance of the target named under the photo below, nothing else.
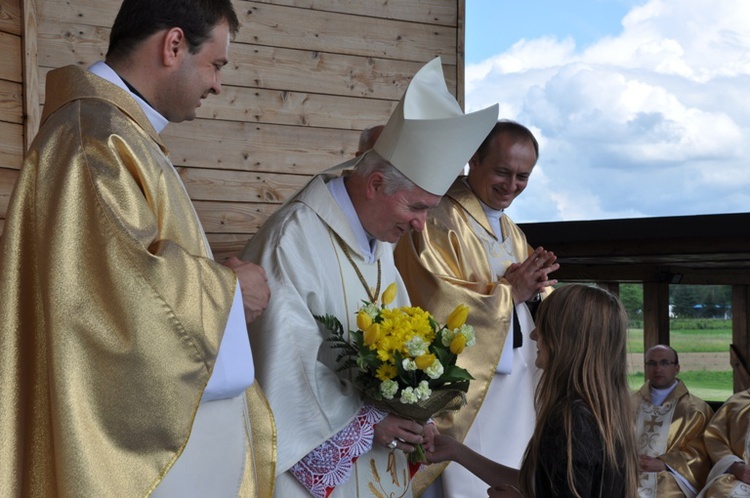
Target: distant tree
(631, 296)
(700, 301)
(684, 298)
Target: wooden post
(655, 313)
(613, 287)
(740, 331)
(31, 111)
(460, 55)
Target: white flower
(408, 396)
(409, 365)
(447, 337)
(435, 370)
(468, 332)
(388, 388)
(371, 310)
(417, 346)
(423, 391)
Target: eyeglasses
(661, 363)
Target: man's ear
(173, 46)
(375, 184)
(474, 160)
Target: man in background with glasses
(670, 424)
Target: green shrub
(699, 324)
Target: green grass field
(709, 386)
(689, 338)
(688, 341)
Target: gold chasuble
(112, 309)
(728, 441)
(457, 258)
(673, 432)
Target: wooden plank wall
(305, 76)
(11, 100)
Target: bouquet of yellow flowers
(403, 361)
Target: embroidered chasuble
(112, 308)
(309, 274)
(459, 259)
(727, 440)
(673, 432)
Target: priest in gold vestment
(727, 440)
(471, 252)
(124, 358)
(326, 251)
(670, 424)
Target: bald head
(662, 366)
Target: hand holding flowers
(402, 360)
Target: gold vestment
(685, 450)
(112, 309)
(727, 441)
(447, 264)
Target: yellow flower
(424, 361)
(458, 317)
(363, 320)
(389, 294)
(384, 355)
(386, 371)
(372, 334)
(458, 344)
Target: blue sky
(641, 107)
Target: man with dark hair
(123, 345)
(137, 20)
(672, 456)
(471, 253)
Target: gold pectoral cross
(652, 424)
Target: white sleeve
(234, 370)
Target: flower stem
(418, 455)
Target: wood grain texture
(255, 105)
(239, 146)
(422, 11)
(8, 179)
(240, 186)
(10, 63)
(332, 32)
(10, 17)
(11, 102)
(304, 78)
(11, 152)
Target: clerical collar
(365, 241)
(102, 70)
(493, 216)
(659, 395)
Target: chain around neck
(373, 297)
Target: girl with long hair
(583, 444)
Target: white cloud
(652, 122)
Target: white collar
(659, 395)
(493, 216)
(339, 193)
(102, 70)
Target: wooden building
(305, 76)
(659, 252)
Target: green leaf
(454, 373)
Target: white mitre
(428, 137)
